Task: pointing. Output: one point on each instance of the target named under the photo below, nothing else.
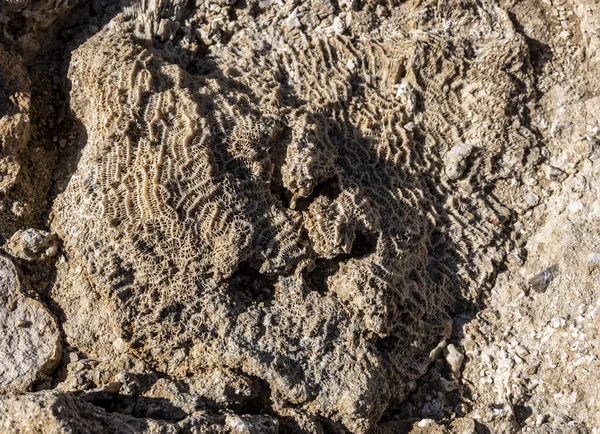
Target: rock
(32, 245)
(52, 412)
(251, 424)
(425, 422)
(521, 351)
(435, 353)
(454, 358)
(256, 210)
(14, 117)
(30, 340)
(182, 243)
(555, 174)
(463, 425)
(456, 160)
(532, 199)
(541, 281)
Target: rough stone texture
(306, 216)
(14, 116)
(30, 343)
(530, 355)
(282, 222)
(14, 134)
(28, 24)
(31, 245)
(57, 413)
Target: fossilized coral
(323, 151)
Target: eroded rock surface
(31, 245)
(284, 216)
(30, 342)
(57, 413)
(279, 213)
(14, 134)
(14, 116)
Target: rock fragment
(454, 358)
(32, 245)
(30, 341)
(456, 160)
(541, 281)
(555, 174)
(532, 199)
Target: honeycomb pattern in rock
(207, 204)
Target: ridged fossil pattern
(287, 213)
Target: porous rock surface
(14, 130)
(57, 413)
(176, 213)
(31, 245)
(283, 216)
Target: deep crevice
(249, 285)
(136, 406)
(329, 188)
(316, 278)
(280, 137)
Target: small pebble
(555, 174)
(557, 322)
(521, 351)
(532, 199)
(454, 358)
(456, 160)
(425, 422)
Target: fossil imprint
(285, 210)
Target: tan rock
(31, 245)
(30, 345)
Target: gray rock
(456, 160)
(454, 357)
(30, 341)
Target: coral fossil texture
(281, 209)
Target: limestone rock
(30, 341)
(455, 358)
(50, 412)
(14, 116)
(288, 208)
(283, 222)
(456, 160)
(31, 245)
